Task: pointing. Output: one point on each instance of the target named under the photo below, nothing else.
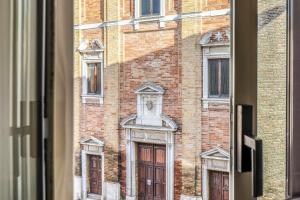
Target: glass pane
(145, 7)
(213, 77)
(98, 78)
(156, 6)
(225, 77)
(93, 78)
(19, 125)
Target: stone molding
(90, 146)
(135, 136)
(91, 51)
(161, 19)
(186, 197)
(169, 124)
(216, 159)
(212, 51)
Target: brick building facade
(151, 94)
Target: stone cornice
(149, 19)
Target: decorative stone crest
(91, 49)
(149, 104)
(149, 110)
(89, 46)
(220, 36)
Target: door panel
(151, 172)
(159, 183)
(215, 186)
(225, 186)
(218, 185)
(149, 182)
(95, 175)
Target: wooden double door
(95, 174)
(151, 172)
(218, 185)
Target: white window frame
(91, 98)
(209, 52)
(139, 18)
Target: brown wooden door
(95, 174)
(151, 172)
(218, 186)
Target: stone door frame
(84, 170)
(94, 147)
(147, 136)
(216, 159)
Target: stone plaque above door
(149, 104)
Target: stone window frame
(213, 52)
(91, 98)
(139, 18)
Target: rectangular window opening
(94, 78)
(150, 7)
(218, 78)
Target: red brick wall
(154, 54)
(151, 55)
(92, 11)
(215, 126)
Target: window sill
(94, 197)
(92, 99)
(149, 18)
(206, 101)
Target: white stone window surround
(139, 18)
(212, 52)
(84, 170)
(89, 98)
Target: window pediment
(92, 141)
(90, 46)
(216, 153)
(150, 88)
(216, 37)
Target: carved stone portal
(150, 126)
